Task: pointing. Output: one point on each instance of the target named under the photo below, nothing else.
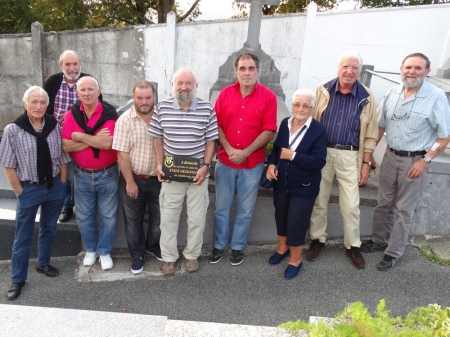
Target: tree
(16, 16)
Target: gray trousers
(398, 197)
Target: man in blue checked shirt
(416, 118)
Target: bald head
(184, 86)
(88, 90)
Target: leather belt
(407, 153)
(142, 176)
(31, 182)
(91, 171)
(343, 147)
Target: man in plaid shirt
(62, 92)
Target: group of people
(331, 133)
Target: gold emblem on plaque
(168, 161)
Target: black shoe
(237, 256)
(137, 266)
(387, 263)
(369, 246)
(14, 290)
(156, 252)
(216, 255)
(65, 215)
(47, 270)
(315, 247)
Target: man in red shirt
(247, 118)
(87, 133)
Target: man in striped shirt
(416, 117)
(347, 110)
(183, 125)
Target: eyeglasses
(400, 115)
(302, 107)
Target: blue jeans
(28, 202)
(69, 199)
(92, 190)
(245, 182)
(134, 212)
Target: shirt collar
(194, 105)
(353, 91)
(69, 85)
(307, 123)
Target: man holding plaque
(247, 119)
(185, 130)
(138, 183)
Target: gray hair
(82, 79)
(33, 91)
(182, 70)
(350, 54)
(65, 52)
(307, 93)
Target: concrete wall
(305, 48)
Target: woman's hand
(272, 172)
(286, 153)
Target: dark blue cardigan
(300, 177)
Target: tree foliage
(55, 15)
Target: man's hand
(364, 176)
(238, 156)
(160, 174)
(132, 190)
(200, 177)
(417, 169)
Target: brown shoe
(191, 266)
(356, 257)
(168, 268)
(315, 247)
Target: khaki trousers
(344, 165)
(171, 201)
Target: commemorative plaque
(180, 168)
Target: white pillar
(308, 47)
(171, 48)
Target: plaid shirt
(65, 98)
(18, 150)
(131, 136)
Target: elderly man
(247, 119)
(36, 168)
(87, 134)
(347, 110)
(416, 117)
(61, 88)
(138, 184)
(183, 125)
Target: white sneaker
(89, 258)
(106, 262)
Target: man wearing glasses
(347, 110)
(416, 118)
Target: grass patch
(427, 251)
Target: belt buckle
(337, 146)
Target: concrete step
(29, 321)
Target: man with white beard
(416, 118)
(183, 125)
(62, 92)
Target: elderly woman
(300, 152)
(36, 168)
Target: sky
(222, 9)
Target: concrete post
(308, 44)
(37, 31)
(364, 76)
(170, 47)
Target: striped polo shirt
(184, 133)
(341, 118)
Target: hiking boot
(168, 268)
(137, 266)
(191, 266)
(369, 246)
(315, 247)
(387, 263)
(356, 257)
(236, 258)
(216, 255)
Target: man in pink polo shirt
(247, 118)
(87, 133)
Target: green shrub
(356, 321)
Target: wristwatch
(208, 165)
(426, 159)
(368, 163)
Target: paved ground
(253, 293)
